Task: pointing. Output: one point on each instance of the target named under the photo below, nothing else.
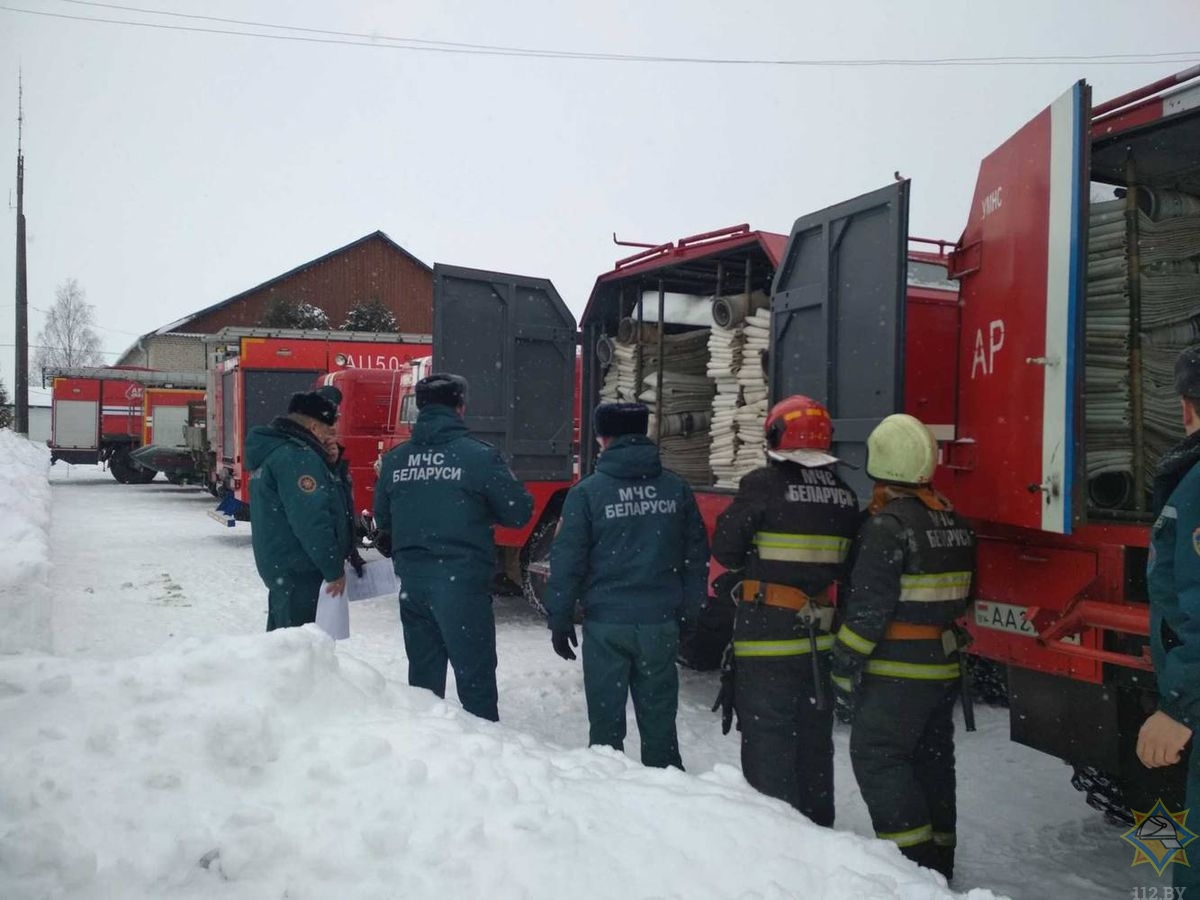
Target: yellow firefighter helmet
(902, 450)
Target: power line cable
(418, 45)
(373, 37)
(46, 312)
(43, 347)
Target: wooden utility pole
(21, 376)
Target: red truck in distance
(103, 414)
(255, 370)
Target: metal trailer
(97, 414)
(254, 372)
(514, 340)
(825, 349)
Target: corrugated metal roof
(235, 332)
(148, 377)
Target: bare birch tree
(68, 338)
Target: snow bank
(273, 766)
(25, 539)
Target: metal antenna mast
(21, 376)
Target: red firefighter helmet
(800, 430)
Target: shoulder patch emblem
(1196, 541)
(307, 483)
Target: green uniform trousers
(459, 629)
(620, 660)
(292, 600)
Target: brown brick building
(373, 267)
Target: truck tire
(142, 475)
(989, 681)
(122, 467)
(536, 552)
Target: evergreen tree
(287, 312)
(371, 315)
(6, 411)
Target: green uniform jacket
(1173, 577)
(341, 473)
(298, 506)
(631, 544)
(438, 497)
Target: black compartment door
(513, 339)
(837, 316)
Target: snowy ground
(139, 567)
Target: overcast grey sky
(167, 170)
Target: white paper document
(378, 580)
(333, 613)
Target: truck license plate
(1008, 617)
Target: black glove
(356, 561)
(724, 701)
(843, 702)
(383, 543)
(563, 640)
(846, 677)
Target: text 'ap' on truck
(102, 414)
(1080, 285)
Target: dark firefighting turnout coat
(897, 651)
(787, 533)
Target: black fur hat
(446, 389)
(615, 419)
(321, 404)
(1187, 373)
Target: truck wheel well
(537, 550)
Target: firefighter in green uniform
(631, 546)
(896, 660)
(438, 496)
(1173, 579)
(787, 533)
(301, 532)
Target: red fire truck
(1078, 285)
(100, 414)
(254, 372)
(169, 416)
(377, 412)
(1046, 379)
(1078, 276)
